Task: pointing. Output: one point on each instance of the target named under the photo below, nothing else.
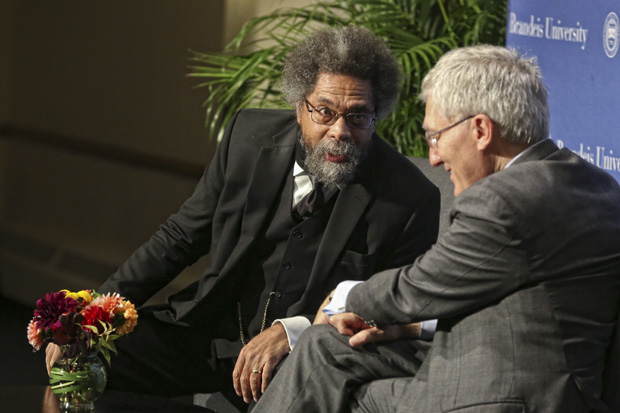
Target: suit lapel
(349, 207)
(272, 167)
(348, 210)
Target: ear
(484, 131)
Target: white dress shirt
(294, 326)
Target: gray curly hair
(495, 81)
(348, 50)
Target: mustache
(338, 148)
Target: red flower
(93, 314)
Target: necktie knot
(310, 203)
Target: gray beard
(333, 175)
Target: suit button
(287, 265)
(297, 234)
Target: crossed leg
(323, 371)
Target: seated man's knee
(318, 334)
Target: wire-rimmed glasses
(326, 116)
(432, 138)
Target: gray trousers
(325, 374)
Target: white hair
(493, 81)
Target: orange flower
(34, 336)
(108, 302)
(131, 317)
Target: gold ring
(256, 371)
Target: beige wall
(112, 74)
(98, 123)
(113, 71)
(6, 11)
(239, 11)
(110, 79)
(5, 54)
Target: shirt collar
(298, 170)
(529, 148)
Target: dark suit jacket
(525, 284)
(386, 218)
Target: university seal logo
(611, 36)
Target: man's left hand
(348, 324)
(385, 333)
(361, 333)
(257, 361)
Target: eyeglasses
(432, 138)
(326, 116)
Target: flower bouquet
(84, 324)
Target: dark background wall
(101, 133)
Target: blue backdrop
(576, 43)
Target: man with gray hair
(292, 203)
(525, 282)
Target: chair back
(441, 178)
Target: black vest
(281, 264)
(278, 269)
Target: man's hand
(352, 325)
(386, 333)
(52, 353)
(321, 317)
(262, 354)
(348, 323)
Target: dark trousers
(169, 360)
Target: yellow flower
(80, 295)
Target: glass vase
(78, 382)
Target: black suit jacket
(384, 219)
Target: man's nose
(433, 157)
(340, 130)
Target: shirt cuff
(338, 303)
(293, 326)
(427, 329)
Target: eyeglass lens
(327, 116)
